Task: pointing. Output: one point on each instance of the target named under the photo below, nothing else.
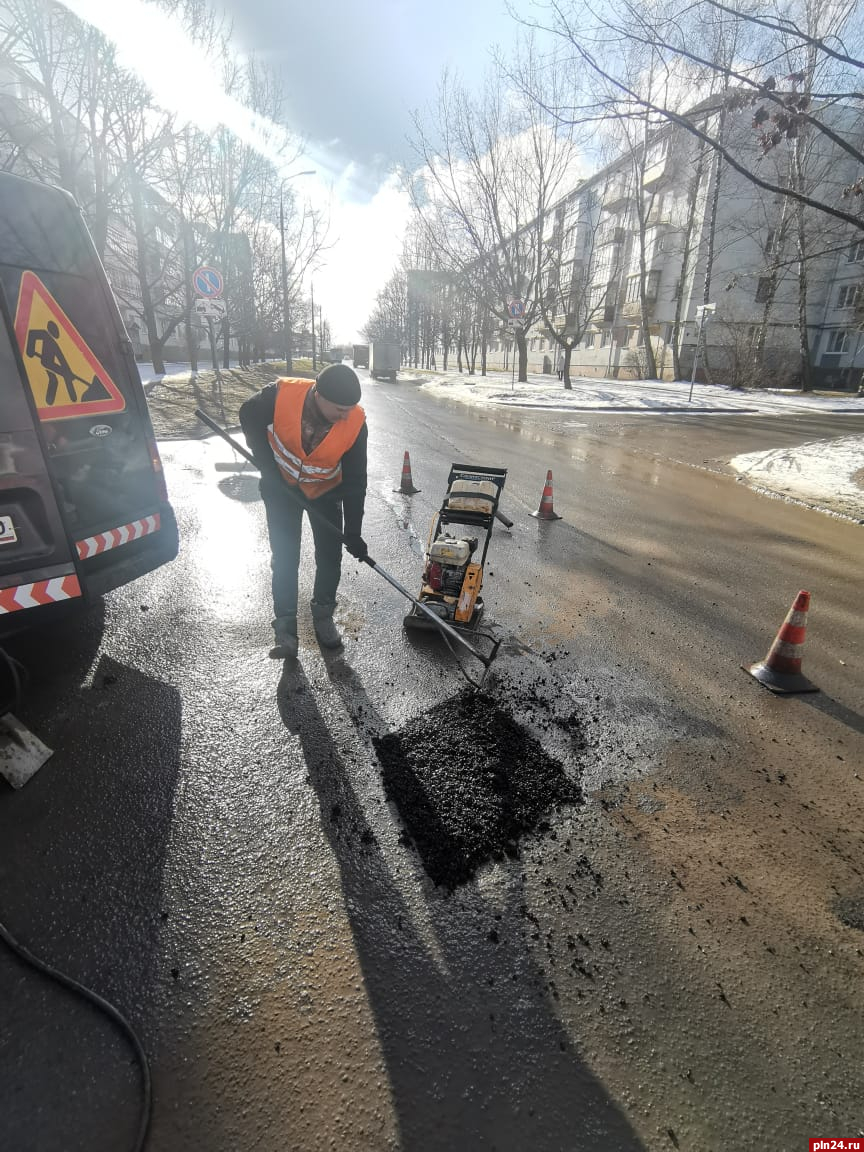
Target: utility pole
(315, 362)
(286, 311)
(286, 316)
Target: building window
(604, 338)
(849, 296)
(838, 342)
(589, 340)
(856, 252)
(763, 289)
(640, 337)
(770, 240)
(632, 289)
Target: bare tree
(492, 168)
(389, 318)
(578, 280)
(782, 50)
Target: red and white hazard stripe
(114, 537)
(35, 595)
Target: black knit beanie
(339, 384)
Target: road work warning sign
(66, 378)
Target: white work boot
(325, 628)
(286, 646)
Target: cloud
(368, 244)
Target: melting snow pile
(826, 472)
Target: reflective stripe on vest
(321, 469)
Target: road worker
(309, 440)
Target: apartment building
(674, 208)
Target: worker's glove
(356, 545)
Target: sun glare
(183, 79)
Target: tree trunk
(685, 265)
(712, 227)
(214, 352)
(226, 344)
(803, 331)
(644, 317)
(568, 352)
(147, 306)
(188, 315)
(522, 345)
(801, 242)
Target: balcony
(632, 310)
(657, 166)
(617, 196)
(610, 235)
(659, 219)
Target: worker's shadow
(475, 1054)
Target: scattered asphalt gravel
(468, 782)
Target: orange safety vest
(321, 469)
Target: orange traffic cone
(781, 669)
(546, 511)
(406, 485)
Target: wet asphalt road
(210, 846)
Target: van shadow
(82, 854)
(475, 1053)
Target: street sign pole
(703, 311)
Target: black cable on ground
(105, 1006)
(61, 978)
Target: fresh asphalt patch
(468, 781)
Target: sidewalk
(603, 394)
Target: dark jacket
(256, 416)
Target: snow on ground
(829, 473)
(598, 394)
(147, 373)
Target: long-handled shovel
(443, 627)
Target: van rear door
(37, 560)
(83, 388)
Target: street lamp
(286, 313)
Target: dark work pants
(285, 526)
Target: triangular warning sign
(65, 377)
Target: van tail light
(156, 465)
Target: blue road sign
(515, 309)
(207, 282)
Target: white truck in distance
(384, 360)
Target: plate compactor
(455, 556)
